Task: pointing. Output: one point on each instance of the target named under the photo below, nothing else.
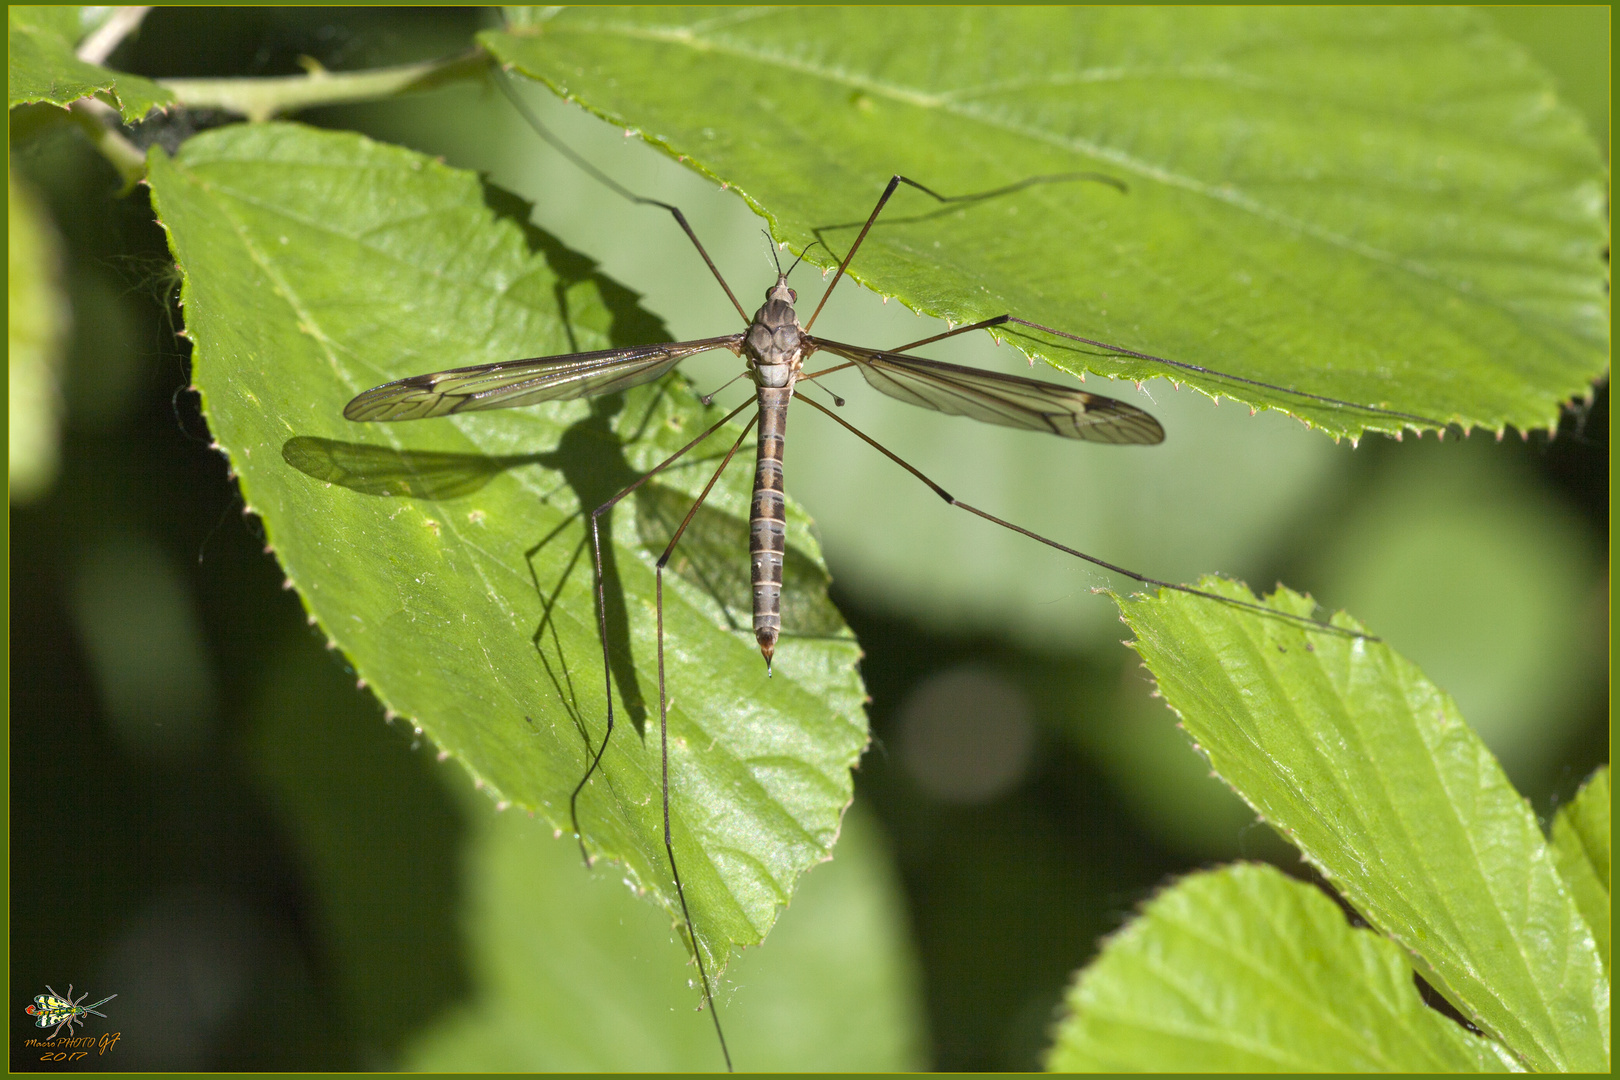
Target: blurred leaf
(1170, 793)
(1571, 41)
(1478, 573)
(1351, 753)
(378, 839)
(319, 264)
(43, 67)
(1387, 207)
(36, 323)
(1580, 841)
(144, 644)
(577, 976)
(1244, 480)
(1243, 970)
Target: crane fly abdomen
(767, 519)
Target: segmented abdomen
(767, 522)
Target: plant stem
(261, 99)
(98, 121)
(98, 46)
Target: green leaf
(574, 975)
(1580, 842)
(1367, 767)
(36, 325)
(43, 67)
(448, 559)
(1389, 208)
(1244, 970)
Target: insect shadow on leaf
(590, 457)
(631, 323)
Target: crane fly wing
(994, 398)
(514, 383)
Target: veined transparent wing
(993, 398)
(514, 383)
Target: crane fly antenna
(568, 152)
(770, 243)
(789, 272)
(805, 252)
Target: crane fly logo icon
(63, 1011)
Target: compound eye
(793, 296)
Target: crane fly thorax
(775, 342)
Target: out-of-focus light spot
(965, 735)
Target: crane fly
(774, 347)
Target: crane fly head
(780, 291)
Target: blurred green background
(209, 819)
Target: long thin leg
(663, 740)
(1132, 574)
(601, 615)
(896, 180)
(1001, 320)
(569, 152)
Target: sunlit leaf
(518, 960)
(1367, 767)
(317, 265)
(43, 67)
(1580, 840)
(1384, 207)
(1244, 970)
